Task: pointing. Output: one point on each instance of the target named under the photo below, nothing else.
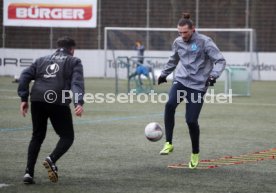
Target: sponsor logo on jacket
(51, 70)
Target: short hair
(66, 42)
(185, 20)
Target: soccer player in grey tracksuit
(200, 64)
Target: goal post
(236, 44)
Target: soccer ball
(153, 132)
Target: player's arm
(216, 58)
(23, 87)
(77, 87)
(170, 65)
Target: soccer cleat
(168, 148)
(52, 169)
(194, 161)
(28, 179)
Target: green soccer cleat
(194, 161)
(168, 148)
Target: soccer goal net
(122, 57)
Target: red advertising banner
(49, 14)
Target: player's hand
(161, 79)
(24, 106)
(211, 81)
(78, 110)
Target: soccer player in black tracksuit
(52, 75)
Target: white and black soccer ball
(153, 131)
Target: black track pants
(61, 119)
(194, 101)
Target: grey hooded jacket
(199, 58)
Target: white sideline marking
(4, 185)
(246, 104)
(9, 97)
(134, 100)
(8, 90)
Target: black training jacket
(54, 76)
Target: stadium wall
(13, 61)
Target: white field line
(4, 185)
(8, 90)
(9, 97)
(246, 104)
(216, 103)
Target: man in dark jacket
(53, 76)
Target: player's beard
(187, 39)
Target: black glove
(211, 81)
(161, 79)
